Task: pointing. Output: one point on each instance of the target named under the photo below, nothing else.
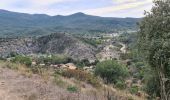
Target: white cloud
(123, 1)
(48, 2)
(121, 6)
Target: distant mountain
(22, 24)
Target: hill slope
(58, 43)
(22, 24)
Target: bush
(125, 56)
(11, 66)
(111, 71)
(82, 63)
(139, 65)
(82, 76)
(55, 59)
(72, 89)
(58, 81)
(134, 90)
(77, 74)
(152, 86)
(22, 59)
(120, 85)
(13, 54)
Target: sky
(105, 8)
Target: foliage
(72, 88)
(82, 76)
(11, 66)
(111, 71)
(154, 42)
(13, 54)
(22, 59)
(82, 63)
(128, 38)
(152, 83)
(58, 81)
(93, 42)
(134, 89)
(120, 85)
(55, 59)
(125, 56)
(19, 24)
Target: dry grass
(87, 91)
(21, 68)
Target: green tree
(154, 42)
(111, 71)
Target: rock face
(21, 46)
(58, 43)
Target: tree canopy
(154, 42)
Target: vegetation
(22, 59)
(154, 43)
(147, 62)
(111, 71)
(37, 25)
(134, 89)
(72, 88)
(82, 76)
(93, 42)
(120, 85)
(58, 81)
(54, 59)
(152, 84)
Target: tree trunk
(163, 89)
(162, 82)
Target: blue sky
(106, 8)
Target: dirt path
(123, 48)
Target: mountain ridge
(23, 24)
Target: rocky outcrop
(58, 43)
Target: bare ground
(14, 86)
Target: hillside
(57, 43)
(22, 24)
(19, 82)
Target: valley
(66, 56)
(78, 56)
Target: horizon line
(62, 15)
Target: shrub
(111, 71)
(55, 59)
(11, 66)
(120, 85)
(125, 56)
(22, 59)
(13, 54)
(139, 65)
(134, 89)
(72, 89)
(58, 81)
(77, 74)
(152, 86)
(94, 81)
(82, 76)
